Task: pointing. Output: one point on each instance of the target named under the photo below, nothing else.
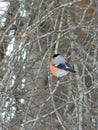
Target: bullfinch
(59, 66)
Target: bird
(59, 67)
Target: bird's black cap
(55, 55)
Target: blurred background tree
(31, 31)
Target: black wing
(66, 67)
(61, 66)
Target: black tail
(71, 70)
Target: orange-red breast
(59, 66)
